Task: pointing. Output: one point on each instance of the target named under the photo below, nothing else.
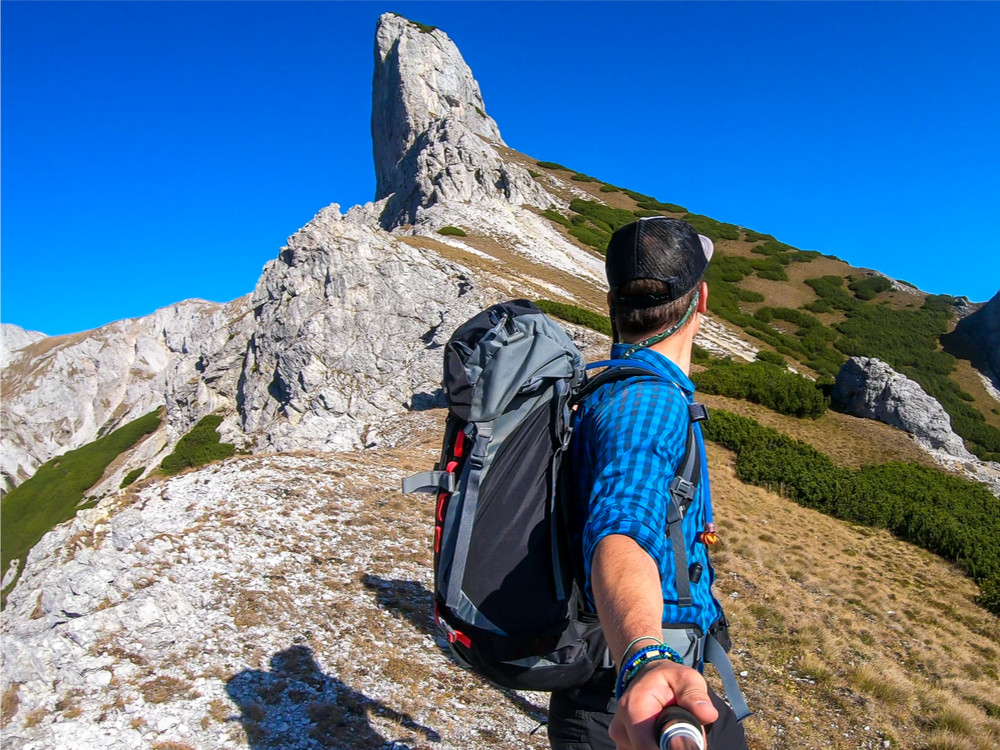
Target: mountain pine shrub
(552, 165)
(766, 355)
(131, 477)
(869, 287)
(452, 231)
(199, 447)
(763, 383)
(574, 314)
(581, 177)
(609, 188)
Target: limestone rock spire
(432, 139)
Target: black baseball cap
(667, 250)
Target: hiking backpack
(507, 592)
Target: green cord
(665, 334)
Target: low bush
(766, 355)
(764, 383)
(596, 239)
(638, 197)
(199, 447)
(53, 493)
(950, 516)
(452, 231)
(574, 314)
(131, 477)
(552, 215)
(608, 188)
(612, 218)
(552, 165)
(654, 205)
(700, 355)
(711, 228)
(534, 174)
(869, 287)
(580, 177)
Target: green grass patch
(950, 516)
(131, 477)
(581, 177)
(552, 165)
(199, 447)
(52, 495)
(574, 314)
(609, 188)
(764, 383)
(480, 112)
(452, 231)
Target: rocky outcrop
(348, 325)
(13, 338)
(977, 336)
(433, 141)
(868, 387)
(62, 392)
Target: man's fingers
(695, 699)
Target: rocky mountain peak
(433, 141)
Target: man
(628, 446)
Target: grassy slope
(791, 292)
(53, 494)
(888, 634)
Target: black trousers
(576, 722)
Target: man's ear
(703, 298)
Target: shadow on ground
(413, 602)
(296, 705)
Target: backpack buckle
(683, 490)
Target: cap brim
(707, 246)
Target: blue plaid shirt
(628, 443)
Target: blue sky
(153, 152)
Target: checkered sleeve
(640, 429)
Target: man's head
(654, 269)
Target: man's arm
(626, 586)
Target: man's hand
(659, 685)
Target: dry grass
(166, 688)
(9, 703)
(846, 627)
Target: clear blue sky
(153, 152)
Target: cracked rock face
(348, 322)
(61, 392)
(433, 141)
(868, 387)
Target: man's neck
(677, 348)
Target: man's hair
(640, 324)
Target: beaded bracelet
(639, 660)
(635, 641)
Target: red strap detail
(437, 539)
(461, 638)
(450, 468)
(440, 507)
(459, 443)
